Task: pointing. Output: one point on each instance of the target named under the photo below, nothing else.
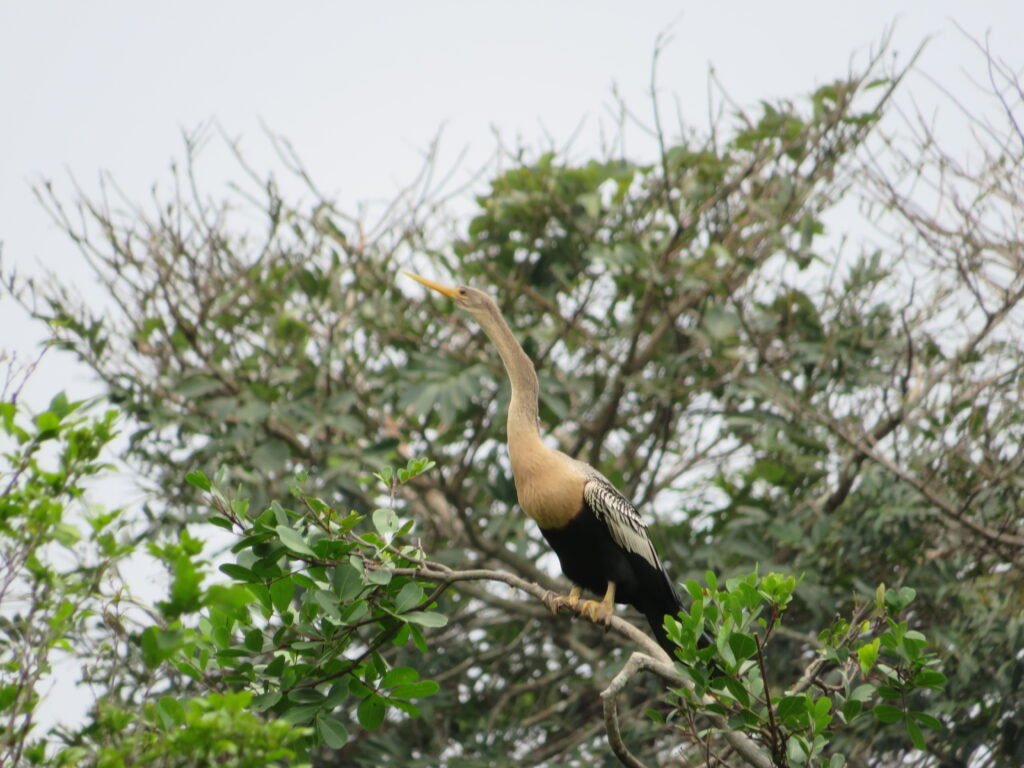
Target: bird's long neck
(523, 429)
(550, 490)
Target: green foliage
(315, 599)
(215, 729)
(48, 459)
(55, 553)
(870, 671)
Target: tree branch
(653, 659)
(440, 573)
(811, 672)
(750, 753)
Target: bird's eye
(462, 292)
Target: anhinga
(600, 539)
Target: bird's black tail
(668, 605)
(656, 619)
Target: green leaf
(276, 667)
(347, 582)
(158, 645)
(791, 711)
(743, 645)
(836, 761)
(928, 721)
(916, 737)
(399, 676)
(186, 589)
(7, 414)
(418, 690)
(724, 649)
(822, 713)
(371, 712)
(930, 678)
(329, 603)
(60, 406)
(897, 600)
(721, 324)
(301, 714)
(379, 576)
(862, 692)
(254, 640)
(887, 713)
(221, 522)
(867, 655)
(416, 467)
(736, 689)
(851, 709)
(409, 597)
(333, 732)
(47, 421)
(232, 598)
(66, 534)
(694, 589)
(262, 595)
(797, 750)
(265, 701)
(712, 580)
(281, 593)
(385, 521)
(293, 540)
(199, 480)
(239, 573)
(306, 696)
(171, 710)
(8, 694)
(426, 618)
(655, 716)
(338, 693)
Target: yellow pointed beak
(451, 293)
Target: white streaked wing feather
(624, 523)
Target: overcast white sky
(361, 88)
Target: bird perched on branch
(600, 539)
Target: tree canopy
(823, 426)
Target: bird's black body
(590, 558)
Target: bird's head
(470, 299)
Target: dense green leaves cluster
(881, 669)
(215, 729)
(55, 553)
(286, 650)
(314, 599)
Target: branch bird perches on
(600, 539)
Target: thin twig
(638, 662)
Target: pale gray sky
(361, 88)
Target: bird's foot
(599, 612)
(556, 602)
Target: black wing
(624, 523)
(656, 596)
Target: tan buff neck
(549, 487)
(522, 412)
